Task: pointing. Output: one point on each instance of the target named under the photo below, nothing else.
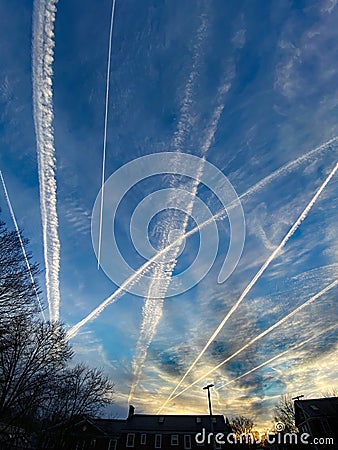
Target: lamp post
(210, 412)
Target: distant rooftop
(177, 422)
(318, 407)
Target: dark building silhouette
(319, 418)
(138, 432)
(143, 431)
(83, 433)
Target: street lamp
(208, 387)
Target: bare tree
(241, 425)
(285, 412)
(333, 392)
(82, 391)
(35, 378)
(34, 354)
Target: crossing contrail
(255, 279)
(291, 165)
(260, 336)
(274, 358)
(105, 127)
(163, 272)
(286, 168)
(21, 244)
(42, 68)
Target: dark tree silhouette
(17, 292)
(284, 412)
(82, 391)
(333, 392)
(242, 425)
(36, 382)
(34, 355)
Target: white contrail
(133, 278)
(150, 321)
(255, 278)
(21, 244)
(269, 361)
(163, 271)
(42, 61)
(105, 127)
(291, 165)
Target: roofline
(321, 399)
(177, 415)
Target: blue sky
(252, 86)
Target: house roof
(171, 423)
(316, 407)
(109, 426)
(106, 427)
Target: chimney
(131, 412)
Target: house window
(161, 419)
(130, 440)
(112, 444)
(143, 439)
(174, 439)
(214, 420)
(187, 441)
(158, 440)
(198, 420)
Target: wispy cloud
(263, 183)
(315, 320)
(42, 65)
(162, 272)
(278, 356)
(261, 335)
(290, 233)
(152, 311)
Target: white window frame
(132, 435)
(112, 444)
(174, 437)
(187, 441)
(143, 440)
(158, 445)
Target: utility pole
(210, 412)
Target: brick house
(138, 432)
(145, 431)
